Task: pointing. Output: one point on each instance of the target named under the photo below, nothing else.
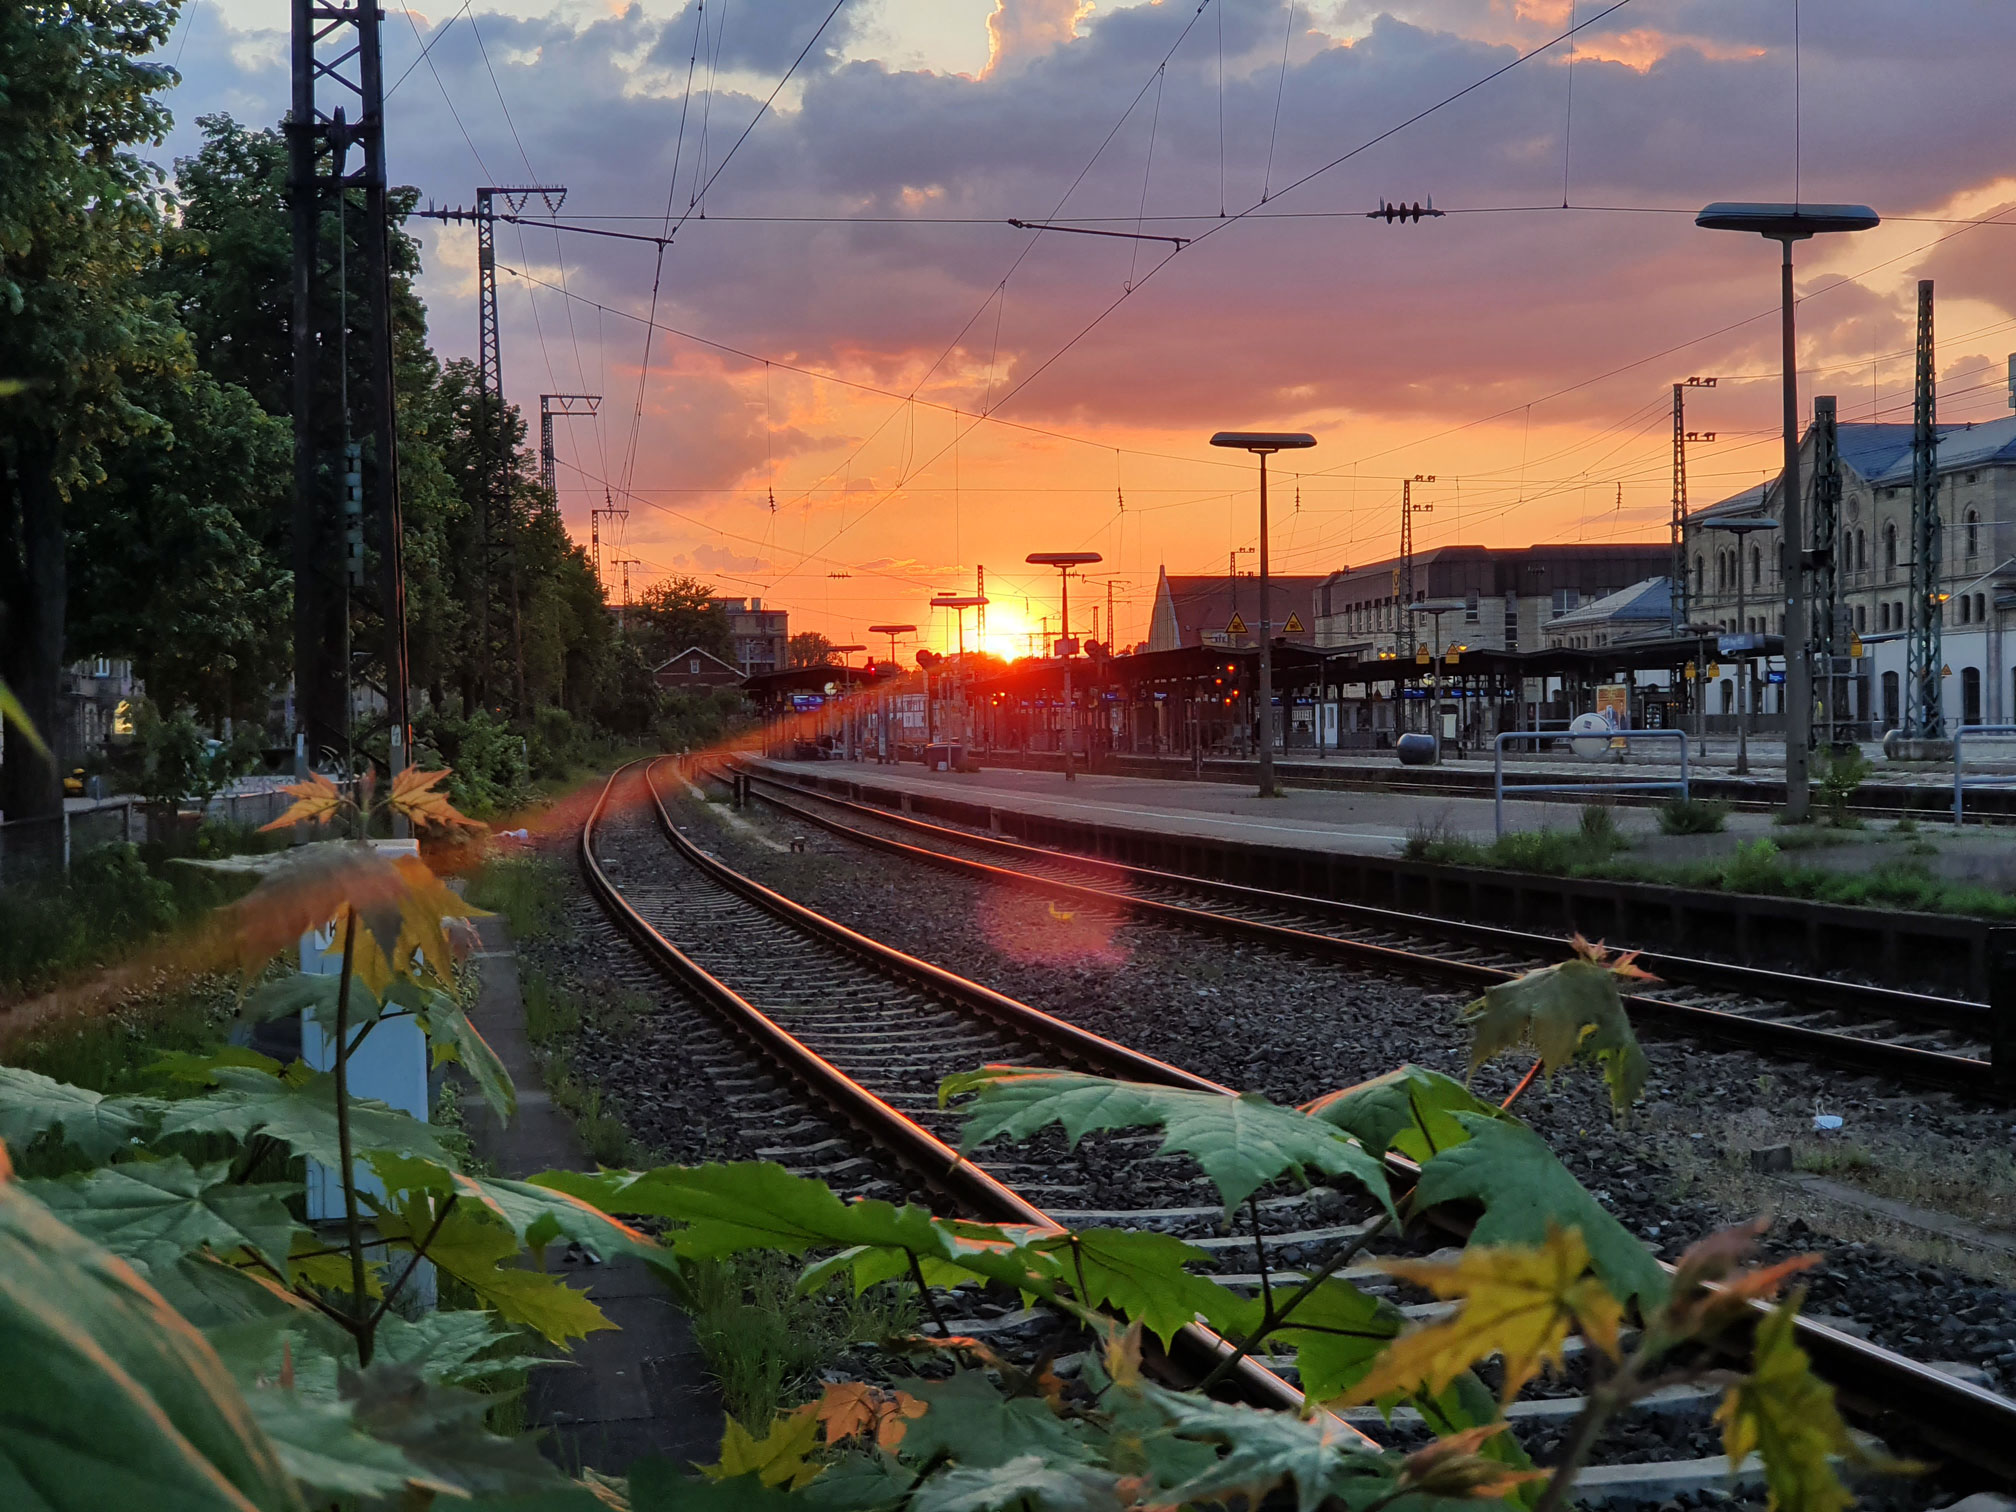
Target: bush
(490, 771)
(1754, 868)
(109, 901)
(555, 743)
(1692, 816)
(1845, 773)
(695, 721)
(1599, 828)
(1437, 839)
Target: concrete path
(642, 1388)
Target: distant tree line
(146, 431)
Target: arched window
(1861, 549)
(1882, 616)
(1980, 608)
(1973, 533)
(1861, 618)
(1756, 565)
(1890, 548)
(1966, 608)
(1697, 574)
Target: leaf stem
(924, 1291)
(353, 1224)
(1274, 1317)
(419, 1254)
(1602, 1403)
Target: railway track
(1920, 1037)
(862, 1033)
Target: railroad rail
(1920, 1037)
(865, 1031)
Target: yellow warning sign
(1238, 625)
(1421, 656)
(1294, 625)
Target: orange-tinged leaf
(316, 800)
(776, 1459)
(1519, 1302)
(1786, 1414)
(414, 795)
(1452, 1467)
(848, 1408)
(1697, 1311)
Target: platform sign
(1774, 677)
(1294, 625)
(1238, 625)
(805, 703)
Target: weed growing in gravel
(1692, 816)
(529, 891)
(767, 1343)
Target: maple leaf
(776, 1459)
(1452, 1467)
(414, 795)
(1785, 1413)
(1519, 1302)
(1568, 1009)
(316, 801)
(848, 1408)
(1699, 1310)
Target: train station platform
(1357, 821)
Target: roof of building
(1880, 453)
(1205, 605)
(692, 651)
(1645, 603)
(1429, 555)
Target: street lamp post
(1263, 444)
(884, 745)
(1064, 561)
(959, 604)
(1701, 631)
(1741, 526)
(1436, 610)
(1786, 224)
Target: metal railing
(1960, 733)
(45, 846)
(1648, 785)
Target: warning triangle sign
(1294, 625)
(1238, 625)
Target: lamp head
(1264, 441)
(1783, 222)
(1062, 558)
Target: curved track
(1919, 1037)
(865, 1031)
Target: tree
(808, 648)
(79, 223)
(678, 613)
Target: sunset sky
(1008, 392)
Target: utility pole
(1678, 598)
(1403, 618)
(495, 541)
(1827, 627)
(980, 611)
(346, 464)
(1925, 718)
(595, 519)
(549, 469)
(1111, 634)
(623, 613)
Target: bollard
(2002, 1004)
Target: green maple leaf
(214, 1295)
(1570, 1008)
(112, 1399)
(1786, 1414)
(1410, 1110)
(314, 994)
(1027, 1481)
(1242, 1142)
(479, 1253)
(1143, 1274)
(97, 1125)
(320, 1445)
(440, 1433)
(157, 1211)
(969, 1422)
(1263, 1449)
(1337, 1332)
(453, 1037)
(1524, 1189)
(538, 1215)
(746, 1205)
(301, 1114)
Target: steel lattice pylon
(1830, 631)
(1925, 716)
(349, 575)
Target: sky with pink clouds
(864, 382)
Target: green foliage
(1242, 1143)
(1753, 868)
(1563, 1011)
(179, 762)
(1598, 827)
(1411, 1111)
(1692, 816)
(529, 891)
(1845, 773)
(489, 773)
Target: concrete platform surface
(639, 1389)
